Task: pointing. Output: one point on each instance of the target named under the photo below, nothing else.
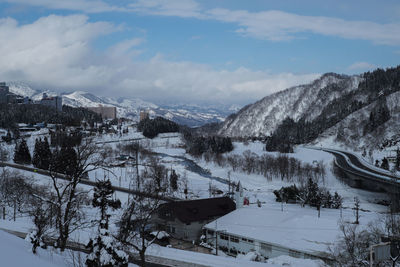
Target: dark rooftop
(188, 211)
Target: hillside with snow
(190, 115)
(262, 117)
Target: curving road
(360, 171)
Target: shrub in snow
(105, 251)
(36, 240)
(252, 256)
(310, 194)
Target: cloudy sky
(187, 51)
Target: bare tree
(136, 221)
(352, 248)
(68, 199)
(41, 211)
(14, 190)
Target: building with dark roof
(185, 219)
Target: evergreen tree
(327, 200)
(385, 164)
(67, 160)
(104, 250)
(312, 193)
(173, 180)
(21, 153)
(36, 161)
(41, 154)
(337, 201)
(46, 154)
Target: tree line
(152, 127)
(281, 167)
(309, 194)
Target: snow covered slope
(16, 252)
(353, 126)
(190, 115)
(262, 117)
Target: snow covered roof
(295, 228)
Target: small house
(185, 219)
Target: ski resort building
(105, 112)
(51, 101)
(185, 219)
(144, 114)
(272, 233)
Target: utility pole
(137, 165)
(357, 208)
(229, 182)
(216, 237)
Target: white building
(298, 233)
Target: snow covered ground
(17, 252)
(257, 187)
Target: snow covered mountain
(262, 117)
(358, 112)
(190, 115)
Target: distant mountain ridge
(190, 115)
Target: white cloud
(56, 52)
(278, 26)
(361, 66)
(89, 6)
(275, 25)
(179, 8)
(268, 25)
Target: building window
(224, 237)
(210, 232)
(234, 239)
(266, 247)
(247, 240)
(172, 229)
(295, 254)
